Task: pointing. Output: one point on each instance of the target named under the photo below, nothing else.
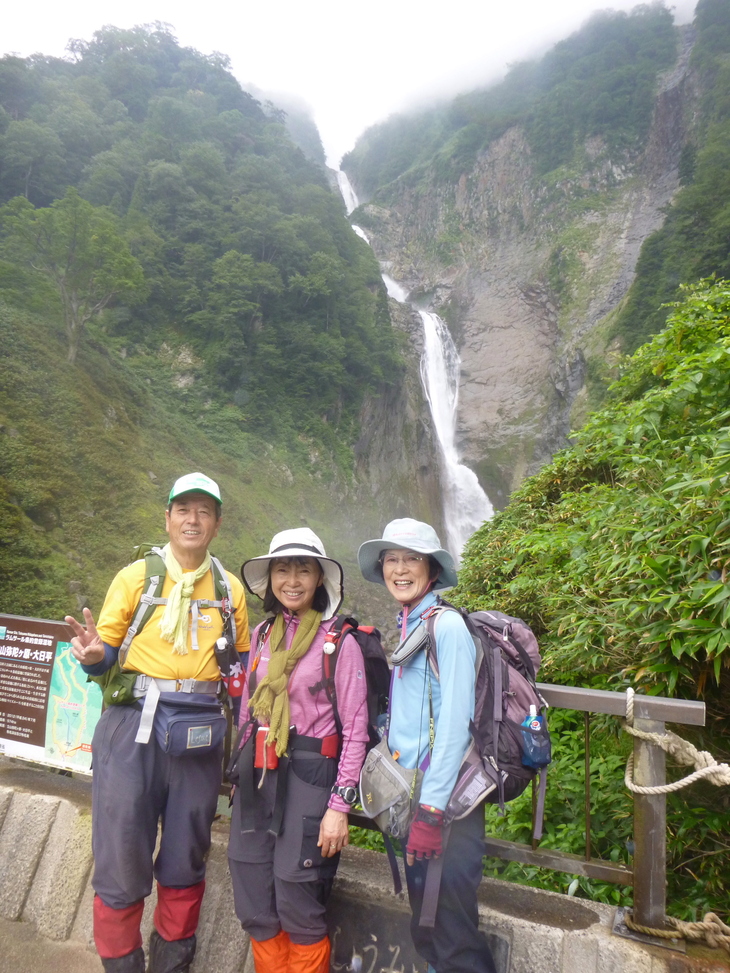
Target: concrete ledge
(22, 839)
(45, 869)
(62, 873)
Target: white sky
(353, 63)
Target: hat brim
(184, 493)
(255, 574)
(369, 554)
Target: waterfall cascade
(466, 505)
(348, 193)
(351, 201)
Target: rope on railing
(712, 930)
(681, 751)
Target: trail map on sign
(74, 706)
(48, 711)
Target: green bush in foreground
(617, 553)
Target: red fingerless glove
(424, 839)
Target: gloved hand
(425, 837)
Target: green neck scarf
(270, 703)
(174, 621)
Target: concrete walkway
(24, 951)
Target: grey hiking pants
(282, 881)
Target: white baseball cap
(195, 483)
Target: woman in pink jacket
(297, 771)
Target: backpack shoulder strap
(154, 579)
(342, 625)
(263, 634)
(224, 594)
(431, 618)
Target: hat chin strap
(423, 594)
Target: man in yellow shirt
(158, 754)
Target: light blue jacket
(453, 705)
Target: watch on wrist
(348, 794)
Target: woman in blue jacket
(410, 562)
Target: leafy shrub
(618, 555)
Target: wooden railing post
(650, 830)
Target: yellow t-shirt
(148, 652)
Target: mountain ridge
(528, 268)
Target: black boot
(131, 963)
(170, 957)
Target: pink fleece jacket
(312, 715)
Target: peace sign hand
(87, 646)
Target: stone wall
(46, 905)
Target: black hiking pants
(455, 944)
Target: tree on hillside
(31, 160)
(79, 249)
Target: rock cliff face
(397, 458)
(527, 271)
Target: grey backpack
(510, 742)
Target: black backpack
(377, 672)
(510, 739)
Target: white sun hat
(410, 535)
(297, 542)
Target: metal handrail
(648, 875)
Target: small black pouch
(187, 729)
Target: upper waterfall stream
(466, 505)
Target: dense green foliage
(598, 82)
(248, 259)
(694, 241)
(618, 554)
(77, 249)
(297, 116)
(88, 453)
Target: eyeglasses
(409, 560)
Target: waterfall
(348, 193)
(466, 505)
(351, 202)
(394, 289)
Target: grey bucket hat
(297, 542)
(411, 535)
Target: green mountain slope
(250, 328)
(246, 252)
(88, 453)
(695, 239)
(598, 82)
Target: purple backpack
(510, 742)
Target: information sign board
(48, 711)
